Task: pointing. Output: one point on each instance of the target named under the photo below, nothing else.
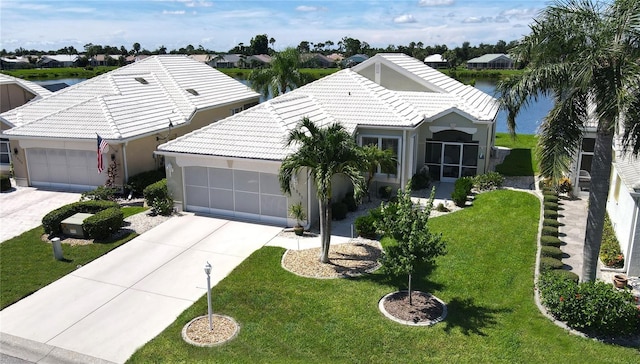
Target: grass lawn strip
(522, 160)
(27, 263)
(486, 281)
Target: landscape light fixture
(207, 270)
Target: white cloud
(405, 18)
(306, 8)
(485, 19)
(176, 12)
(201, 3)
(436, 2)
(520, 13)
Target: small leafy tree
(406, 223)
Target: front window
(384, 143)
(5, 154)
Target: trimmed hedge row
(548, 263)
(550, 241)
(103, 223)
(551, 252)
(140, 181)
(51, 221)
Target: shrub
(550, 241)
(551, 252)
(550, 222)
(459, 197)
(551, 206)
(162, 206)
(564, 274)
(488, 181)
(547, 263)
(385, 192)
(51, 221)
(464, 184)
(137, 183)
(549, 231)
(420, 180)
(595, 307)
(350, 201)
(104, 223)
(100, 193)
(339, 210)
(610, 252)
(550, 214)
(551, 198)
(564, 185)
(157, 197)
(365, 226)
(5, 183)
(441, 208)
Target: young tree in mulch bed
(407, 224)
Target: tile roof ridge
(183, 93)
(107, 113)
(95, 98)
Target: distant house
(354, 60)
(316, 60)
(435, 61)
(57, 60)
(135, 58)
(103, 60)
(259, 60)
(336, 57)
(490, 61)
(134, 108)
(14, 92)
(227, 61)
(10, 63)
(203, 58)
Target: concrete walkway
(104, 311)
(573, 220)
(23, 208)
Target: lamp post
(207, 270)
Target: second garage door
(228, 192)
(64, 169)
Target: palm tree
(585, 53)
(375, 157)
(282, 74)
(323, 153)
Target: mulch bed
(425, 309)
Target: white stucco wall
(623, 213)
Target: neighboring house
(259, 60)
(203, 58)
(227, 61)
(392, 100)
(57, 61)
(435, 61)
(316, 60)
(135, 58)
(354, 60)
(103, 60)
(7, 63)
(14, 92)
(134, 108)
(335, 57)
(490, 61)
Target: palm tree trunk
(325, 230)
(598, 192)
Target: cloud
(519, 13)
(306, 8)
(201, 3)
(485, 19)
(405, 18)
(176, 12)
(436, 2)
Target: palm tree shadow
(470, 318)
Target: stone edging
(186, 338)
(411, 323)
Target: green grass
(54, 73)
(27, 263)
(486, 281)
(522, 160)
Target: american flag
(102, 145)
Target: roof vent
(142, 80)
(193, 92)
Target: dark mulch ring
(426, 309)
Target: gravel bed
(197, 331)
(357, 257)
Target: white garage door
(237, 193)
(64, 169)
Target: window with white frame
(5, 153)
(384, 143)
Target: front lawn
(27, 263)
(486, 280)
(522, 160)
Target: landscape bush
(551, 252)
(595, 307)
(547, 263)
(564, 274)
(550, 241)
(5, 183)
(339, 210)
(564, 185)
(459, 196)
(551, 222)
(385, 192)
(442, 208)
(137, 183)
(157, 197)
(103, 223)
(51, 221)
(464, 184)
(549, 231)
(365, 226)
(610, 252)
(101, 193)
(488, 181)
(551, 198)
(550, 214)
(420, 180)
(551, 206)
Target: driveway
(107, 309)
(23, 208)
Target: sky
(221, 25)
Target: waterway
(527, 121)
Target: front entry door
(451, 161)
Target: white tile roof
(32, 87)
(345, 97)
(628, 167)
(118, 106)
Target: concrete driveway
(23, 208)
(107, 309)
